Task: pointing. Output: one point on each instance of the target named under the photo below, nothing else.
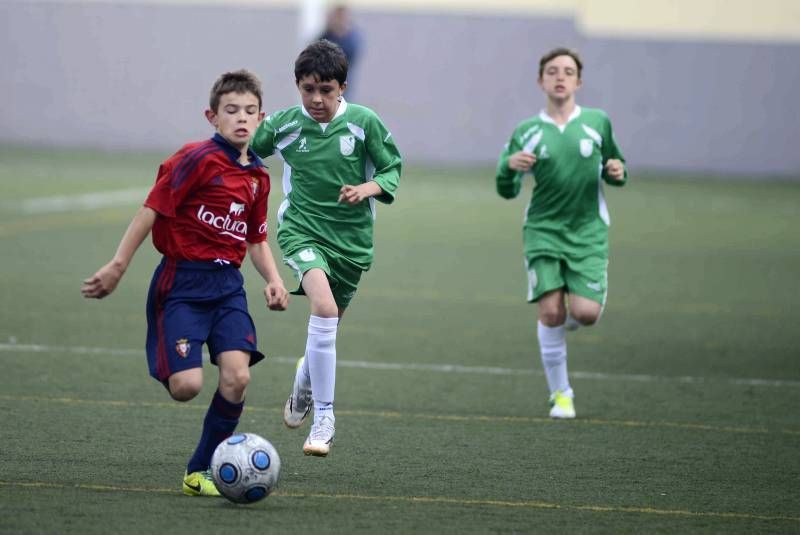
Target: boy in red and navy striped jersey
(206, 211)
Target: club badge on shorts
(182, 346)
(307, 255)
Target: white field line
(440, 368)
(127, 197)
(83, 202)
(98, 200)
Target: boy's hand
(355, 194)
(615, 169)
(276, 295)
(103, 282)
(521, 161)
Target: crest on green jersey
(587, 145)
(347, 144)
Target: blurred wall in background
(450, 79)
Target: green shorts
(587, 277)
(343, 275)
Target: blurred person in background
(340, 29)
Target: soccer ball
(245, 468)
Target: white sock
(553, 349)
(323, 409)
(303, 375)
(321, 359)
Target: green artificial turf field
(687, 391)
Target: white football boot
(320, 438)
(300, 403)
(561, 406)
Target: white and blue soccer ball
(245, 468)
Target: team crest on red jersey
(182, 346)
(254, 185)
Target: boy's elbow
(385, 198)
(507, 192)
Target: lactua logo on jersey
(227, 225)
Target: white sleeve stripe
(288, 140)
(356, 131)
(530, 146)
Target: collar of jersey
(546, 118)
(233, 153)
(339, 111)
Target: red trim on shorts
(165, 280)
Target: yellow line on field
(532, 504)
(524, 504)
(84, 486)
(435, 417)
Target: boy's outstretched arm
(107, 277)
(275, 292)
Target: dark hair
(560, 51)
(241, 81)
(322, 59)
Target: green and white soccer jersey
(567, 217)
(319, 159)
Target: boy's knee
(234, 382)
(552, 317)
(240, 378)
(585, 312)
(184, 388)
(586, 318)
(325, 308)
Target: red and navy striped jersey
(209, 205)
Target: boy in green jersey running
(339, 159)
(570, 150)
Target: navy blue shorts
(194, 303)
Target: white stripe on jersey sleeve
(530, 146)
(357, 131)
(288, 140)
(287, 187)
